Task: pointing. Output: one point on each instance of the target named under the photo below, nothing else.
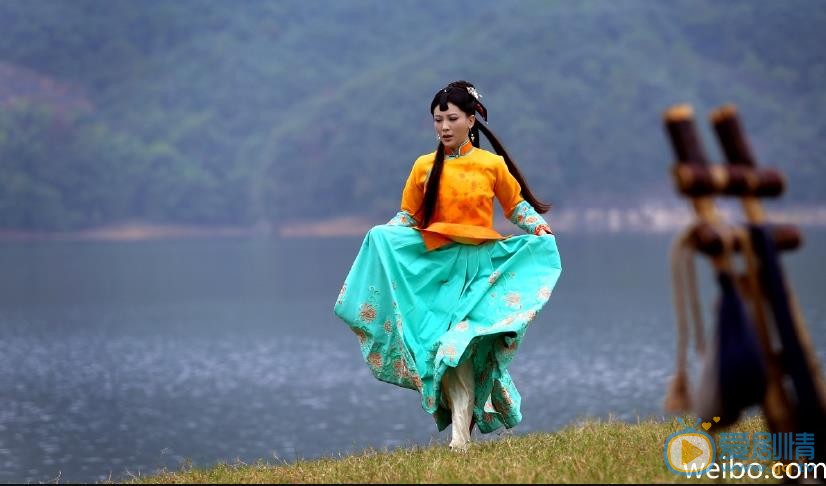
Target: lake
(122, 358)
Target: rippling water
(121, 359)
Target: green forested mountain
(238, 112)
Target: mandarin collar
(463, 149)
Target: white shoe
(460, 448)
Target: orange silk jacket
(464, 210)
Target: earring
(472, 138)
(438, 137)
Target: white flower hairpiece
(472, 91)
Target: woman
(438, 299)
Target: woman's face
(452, 125)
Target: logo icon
(689, 451)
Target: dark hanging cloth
(734, 374)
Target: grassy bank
(595, 451)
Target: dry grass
(589, 452)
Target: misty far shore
(645, 219)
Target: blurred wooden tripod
(794, 400)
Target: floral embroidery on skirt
(417, 312)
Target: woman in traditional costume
(438, 299)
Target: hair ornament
(472, 91)
(480, 108)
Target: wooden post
(679, 122)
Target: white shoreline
(644, 219)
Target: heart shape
(716, 419)
(706, 425)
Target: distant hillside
(226, 113)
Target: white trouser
(458, 389)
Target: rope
(684, 282)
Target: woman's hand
(544, 230)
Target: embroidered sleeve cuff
(526, 217)
(402, 218)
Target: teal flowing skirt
(417, 312)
